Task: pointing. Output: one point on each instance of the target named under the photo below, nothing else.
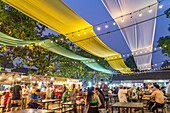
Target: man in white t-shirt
(122, 93)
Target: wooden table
(78, 103)
(33, 111)
(148, 99)
(128, 105)
(48, 101)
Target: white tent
(139, 37)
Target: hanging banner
(139, 37)
(53, 47)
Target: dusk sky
(94, 12)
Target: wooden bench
(56, 108)
(67, 110)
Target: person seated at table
(80, 94)
(101, 97)
(163, 90)
(92, 101)
(34, 88)
(34, 98)
(159, 98)
(65, 96)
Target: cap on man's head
(120, 86)
(101, 80)
(156, 85)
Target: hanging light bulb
(91, 30)
(78, 34)
(160, 6)
(114, 23)
(61, 39)
(98, 28)
(10, 78)
(150, 10)
(122, 19)
(56, 40)
(106, 26)
(165, 46)
(51, 41)
(16, 46)
(84, 32)
(140, 14)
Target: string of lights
(122, 17)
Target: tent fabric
(139, 37)
(10, 41)
(53, 47)
(56, 15)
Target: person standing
(8, 106)
(65, 96)
(97, 85)
(25, 95)
(122, 93)
(16, 96)
(105, 90)
(92, 102)
(159, 98)
(48, 92)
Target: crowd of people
(96, 98)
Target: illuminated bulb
(160, 47)
(155, 64)
(18, 78)
(123, 55)
(161, 6)
(39, 43)
(10, 78)
(56, 40)
(27, 45)
(84, 32)
(61, 39)
(150, 10)
(140, 14)
(165, 46)
(51, 41)
(155, 48)
(98, 28)
(16, 46)
(122, 20)
(114, 23)
(78, 34)
(91, 30)
(106, 26)
(0, 77)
